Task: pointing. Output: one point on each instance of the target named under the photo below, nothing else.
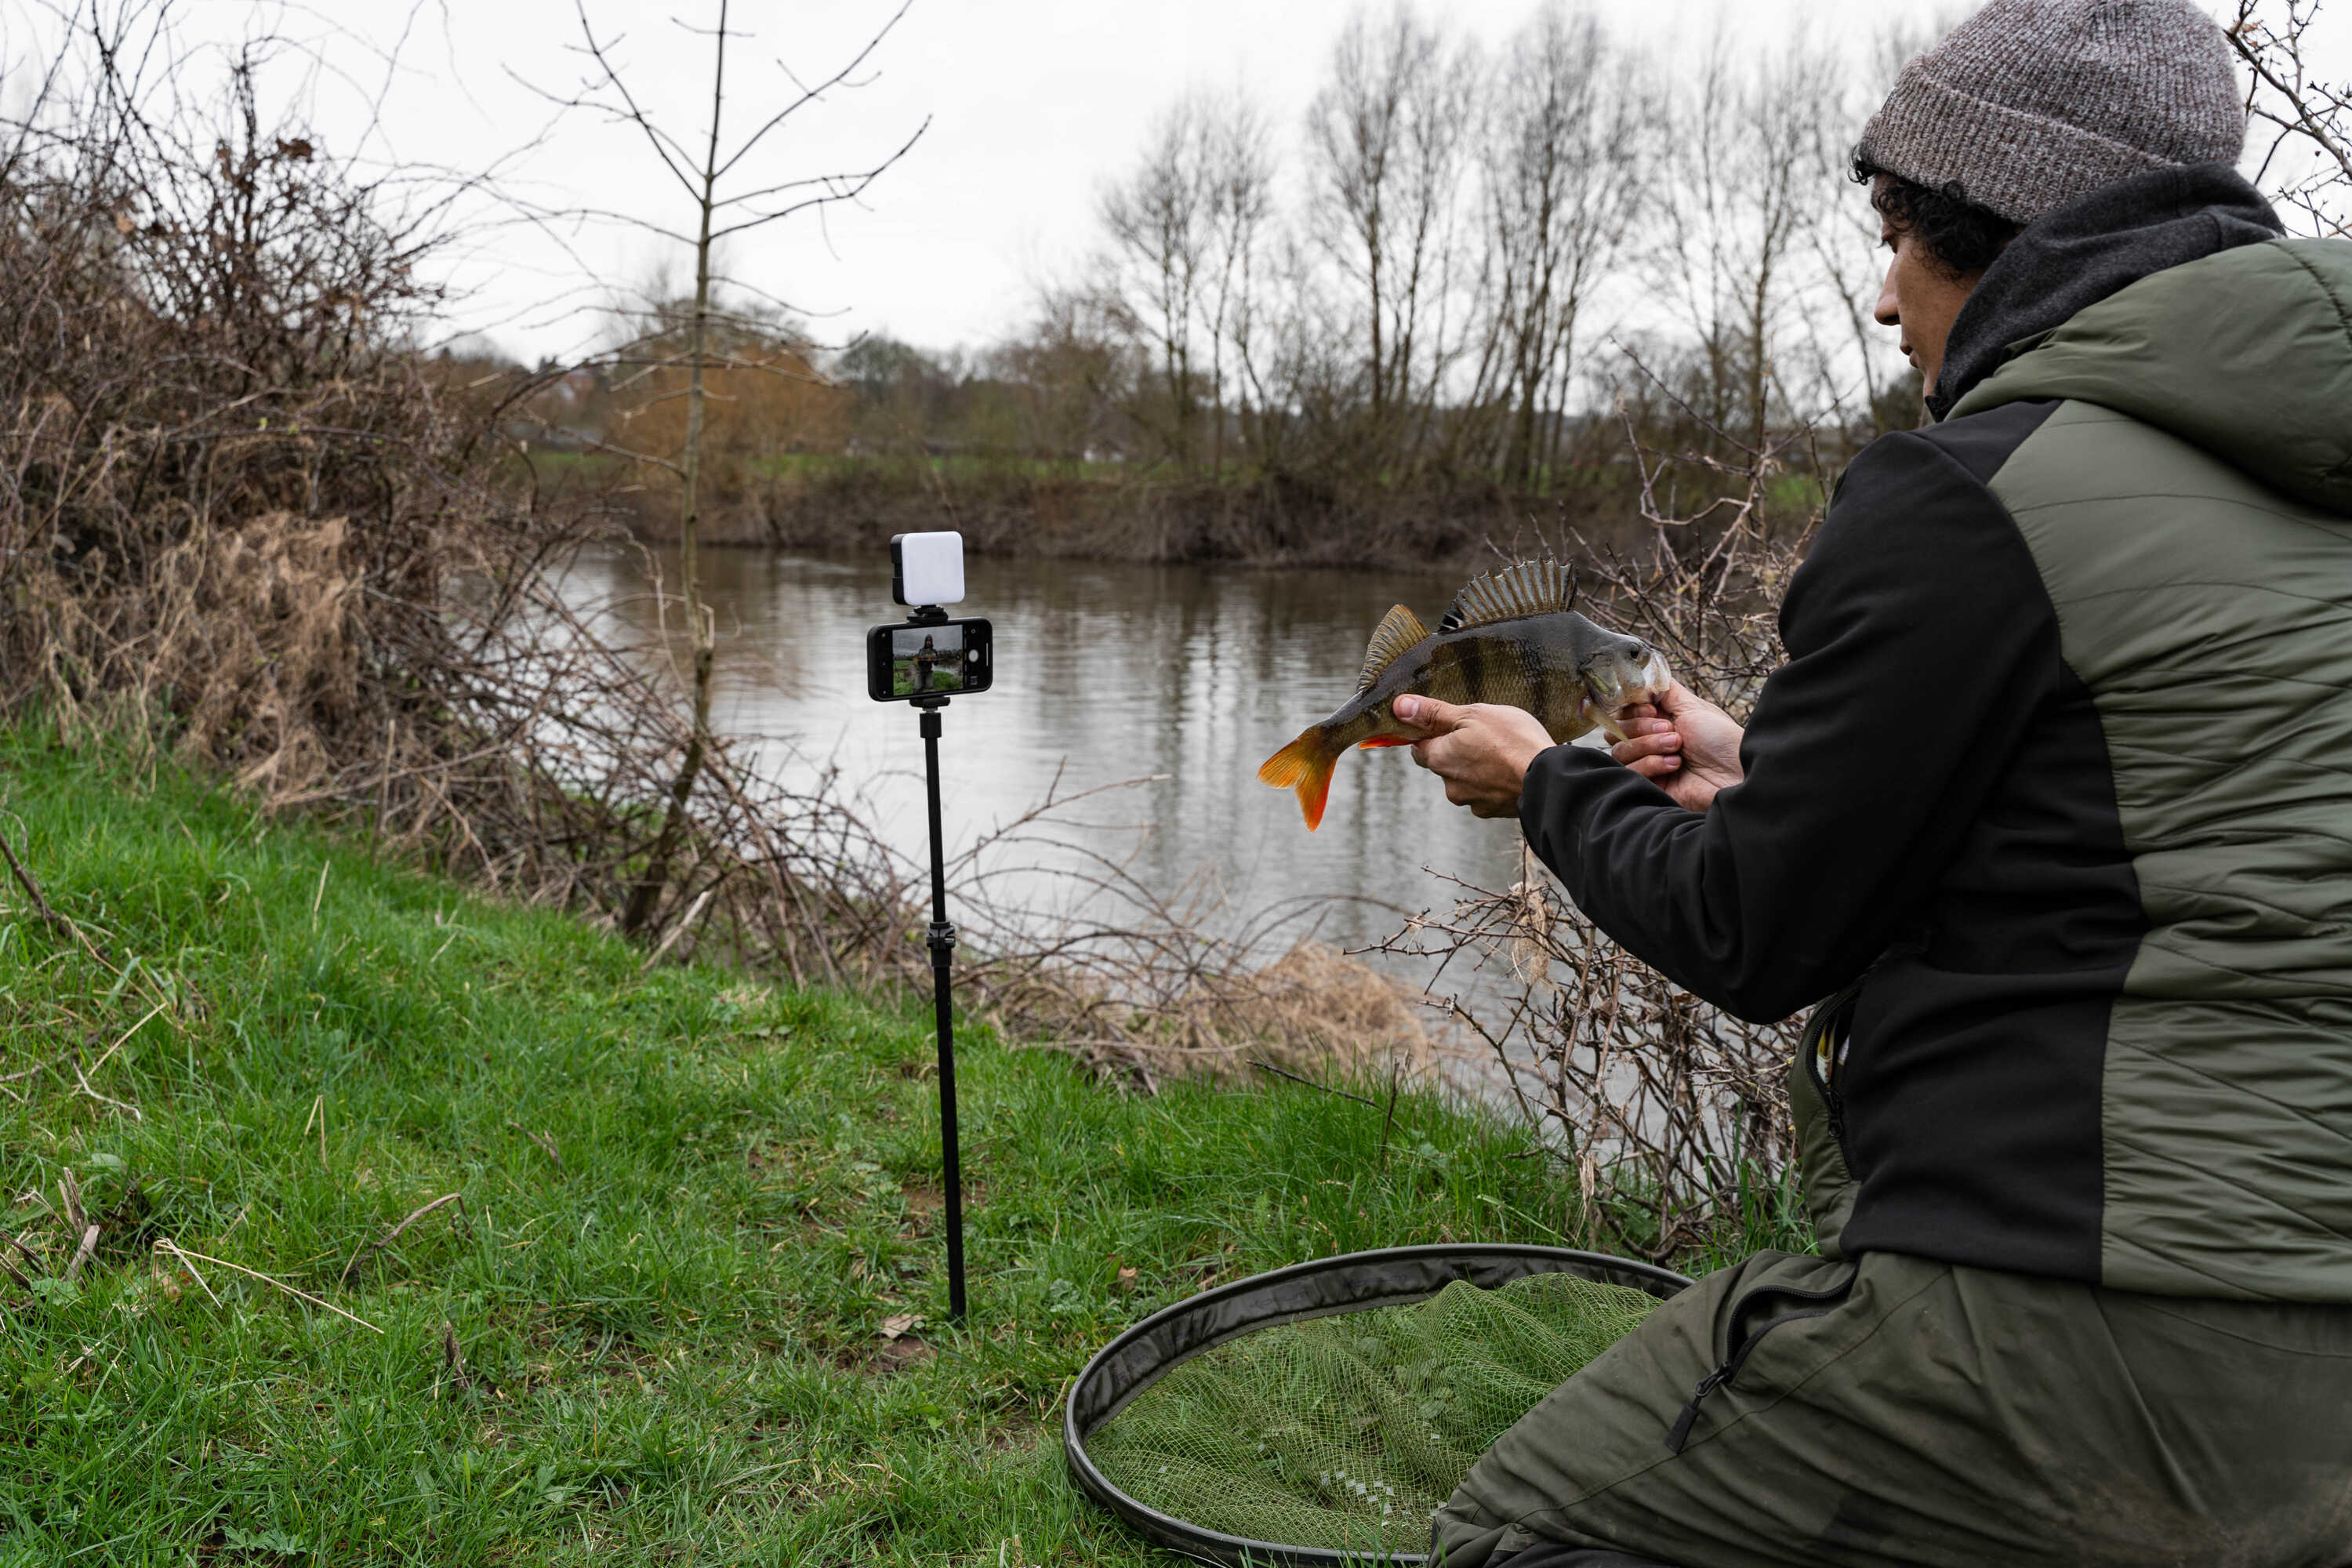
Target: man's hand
(1481, 749)
(1685, 745)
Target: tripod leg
(942, 946)
(943, 1002)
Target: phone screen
(936, 658)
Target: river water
(1188, 675)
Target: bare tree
(1562, 174)
(1753, 163)
(1298, 377)
(1240, 177)
(1388, 139)
(1850, 348)
(1185, 226)
(2309, 163)
(1160, 221)
(728, 199)
(1072, 376)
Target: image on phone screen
(925, 658)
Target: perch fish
(1510, 637)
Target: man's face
(1920, 297)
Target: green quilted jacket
(2056, 793)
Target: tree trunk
(646, 895)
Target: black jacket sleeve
(1920, 641)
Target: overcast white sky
(1032, 104)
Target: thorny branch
(2272, 37)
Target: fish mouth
(1654, 681)
(1618, 680)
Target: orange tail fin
(1305, 766)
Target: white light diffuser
(926, 568)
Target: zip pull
(1827, 1301)
(1681, 1433)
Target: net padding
(1347, 1433)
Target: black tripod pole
(942, 946)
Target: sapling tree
(728, 195)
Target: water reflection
(1104, 672)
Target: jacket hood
(2096, 245)
(2246, 353)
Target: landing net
(1347, 1433)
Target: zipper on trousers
(1820, 1304)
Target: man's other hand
(1685, 745)
(1481, 749)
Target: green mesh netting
(1347, 1433)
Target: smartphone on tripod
(925, 660)
(929, 659)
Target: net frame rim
(1321, 1288)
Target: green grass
(691, 1202)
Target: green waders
(1891, 1409)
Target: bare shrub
(231, 490)
(1671, 1112)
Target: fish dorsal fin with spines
(1398, 630)
(1530, 588)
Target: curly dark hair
(1962, 237)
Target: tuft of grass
(653, 1326)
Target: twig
(1396, 1074)
(546, 1144)
(190, 1267)
(453, 1360)
(57, 921)
(1310, 1083)
(678, 929)
(106, 1099)
(134, 1028)
(180, 1252)
(393, 1234)
(82, 1254)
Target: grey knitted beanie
(2032, 103)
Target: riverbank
(686, 1299)
(1100, 513)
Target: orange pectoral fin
(1379, 740)
(1305, 766)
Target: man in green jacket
(2054, 801)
